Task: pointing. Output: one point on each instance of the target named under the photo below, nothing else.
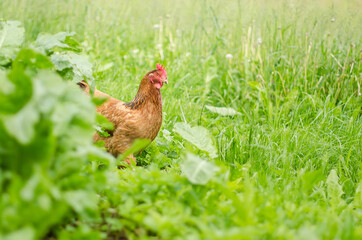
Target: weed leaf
(136, 147)
(45, 42)
(16, 91)
(199, 136)
(21, 124)
(334, 189)
(80, 65)
(197, 170)
(223, 110)
(81, 200)
(11, 37)
(358, 196)
(105, 67)
(26, 233)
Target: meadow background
(288, 165)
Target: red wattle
(158, 85)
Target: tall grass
(293, 71)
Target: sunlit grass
(291, 68)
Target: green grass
(295, 77)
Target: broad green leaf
(81, 200)
(136, 147)
(11, 33)
(11, 37)
(307, 233)
(358, 196)
(105, 67)
(21, 125)
(27, 192)
(99, 100)
(104, 122)
(310, 179)
(255, 85)
(46, 42)
(223, 110)
(80, 65)
(26, 233)
(197, 170)
(199, 136)
(47, 123)
(7, 87)
(28, 58)
(48, 87)
(18, 88)
(334, 189)
(61, 119)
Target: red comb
(161, 68)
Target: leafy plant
(197, 170)
(11, 38)
(281, 161)
(48, 164)
(198, 135)
(223, 110)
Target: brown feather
(140, 118)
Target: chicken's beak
(165, 81)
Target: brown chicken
(139, 119)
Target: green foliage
(16, 91)
(49, 171)
(137, 146)
(103, 125)
(270, 92)
(47, 43)
(223, 110)
(11, 37)
(64, 52)
(334, 189)
(197, 170)
(73, 66)
(198, 135)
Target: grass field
(289, 163)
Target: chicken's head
(158, 77)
